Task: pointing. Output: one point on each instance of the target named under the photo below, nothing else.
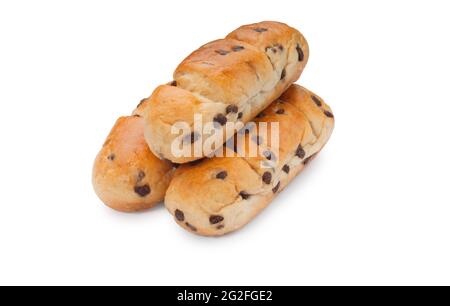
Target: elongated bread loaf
(126, 175)
(216, 196)
(227, 80)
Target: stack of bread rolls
(247, 77)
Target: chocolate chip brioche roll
(127, 176)
(227, 80)
(219, 195)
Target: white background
(374, 208)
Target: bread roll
(127, 176)
(217, 196)
(227, 80)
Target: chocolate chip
(193, 137)
(191, 227)
(232, 109)
(246, 129)
(220, 119)
(141, 176)
(317, 101)
(328, 114)
(301, 55)
(237, 48)
(233, 146)
(215, 219)
(222, 52)
(267, 177)
(112, 157)
(173, 83)
(179, 215)
(283, 74)
(142, 190)
(300, 152)
(244, 195)
(275, 189)
(176, 166)
(260, 30)
(219, 227)
(261, 115)
(221, 175)
(275, 48)
(240, 115)
(257, 139)
(268, 155)
(286, 168)
(280, 111)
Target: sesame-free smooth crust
(227, 80)
(127, 176)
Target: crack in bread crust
(239, 212)
(241, 70)
(288, 162)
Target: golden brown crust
(247, 70)
(126, 175)
(219, 195)
(212, 71)
(274, 42)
